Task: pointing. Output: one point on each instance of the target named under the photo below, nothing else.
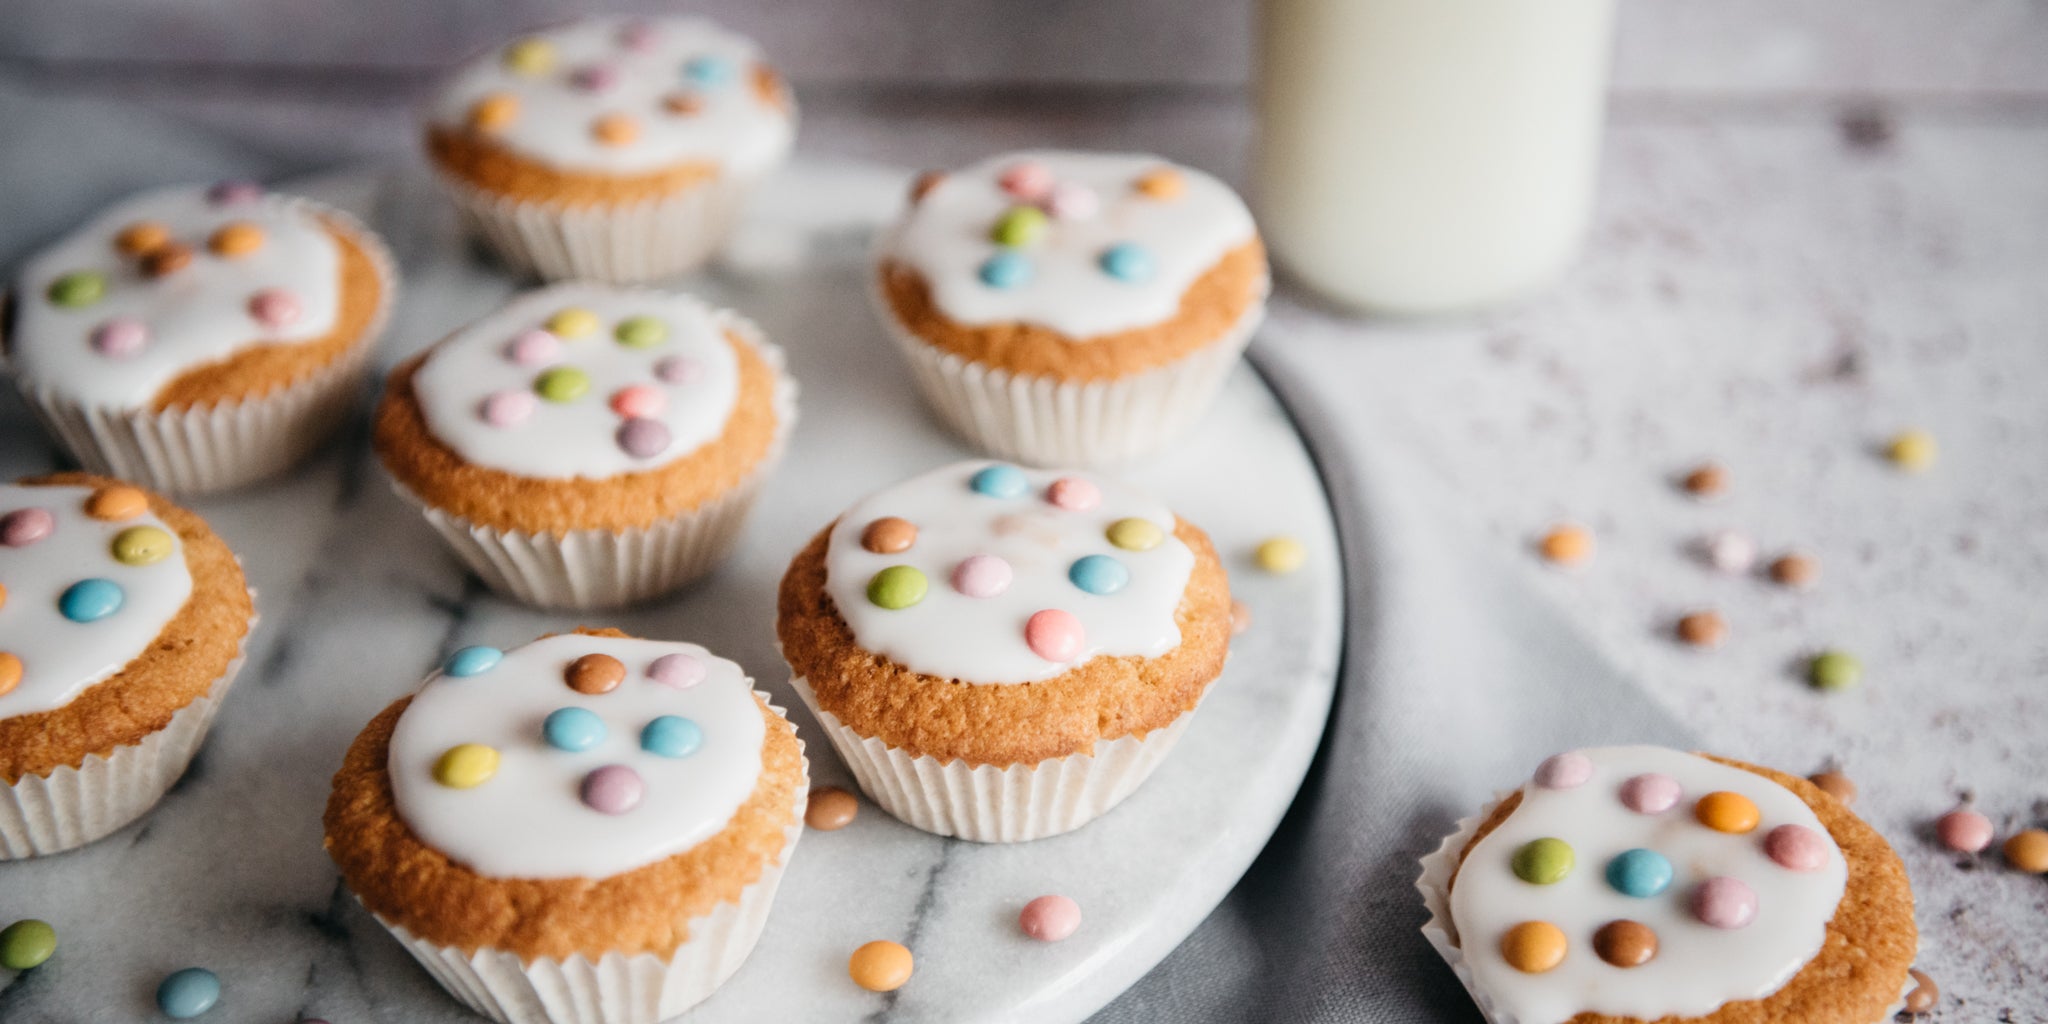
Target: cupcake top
(983, 572)
(624, 96)
(1086, 244)
(89, 577)
(575, 756)
(1644, 882)
(173, 280)
(582, 380)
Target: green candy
(562, 384)
(79, 288)
(1544, 861)
(26, 944)
(1835, 670)
(898, 586)
(641, 332)
(1021, 226)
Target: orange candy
(1533, 947)
(830, 809)
(141, 238)
(880, 966)
(3, 595)
(1567, 545)
(116, 502)
(1164, 183)
(493, 112)
(682, 103)
(1728, 812)
(237, 238)
(2027, 850)
(10, 672)
(616, 129)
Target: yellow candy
(466, 766)
(1723, 811)
(1914, 451)
(530, 56)
(1533, 947)
(1281, 555)
(1135, 534)
(141, 545)
(494, 112)
(573, 322)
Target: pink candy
(594, 77)
(1797, 848)
(25, 526)
(637, 35)
(1029, 180)
(120, 337)
(1729, 552)
(643, 438)
(681, 671)
(1564, 771)
(678, 370)
(1964, 830)
(231, 193)
(1050, 918)
(1054, 635)
(983, 576)
(1724, 902)
(531, 348)
(274, 307)
(1071, 200)
(638, 400)
(613, 789)
(505, 408)
(1074, 494)
(1651, 793)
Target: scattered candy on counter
(1835, 670)
(188, 993)
(1706, 481)
(1281, 555)
(1964, 830)
(1240, 617)
(1050, 918)
(830, 809)
(1704, 628)
(1925, 992)
(26, 944)
(1835, 784)
(1567, 544)
(2027, 851)
(1795, 569)
(1729, 551)
(1913, 450)
(880, 966)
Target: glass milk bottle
(1429, 156)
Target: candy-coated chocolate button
(1568, 544)
(26, 944)
(115, 502)
(888, 535)
(710, 71)
(10, 672)
(1625, 943)
(141, 237)
(616, 129)
(573, 729)
(1129, 261)
(1099, 574)
(188, 993)
(922, 185)
(78, 288)
(982, 576)
(91, 600)
(3, 595)
(644, 438)
(594, 77)
(897, 587)
(1798, 848)
(1835, 784)
(494, 112)
(562, 384)
(1724, 811)
(1071, 200)
(532, 347)
(1019, 226)
(880, 966)
(595, 674)
(1000, 481)
(1054, 634)
(473, 661)
(1135, 534)
(638, 400)
(1964, 830)
(681, 671)
(679, 370)
(613, 789)
(275, 308)
(1913, 451)
(641, 332)
(638, 36)
(235, 239)
(683, 104)
(2027, 851)
(1835, 670)
(1639, 873)
(1651, 793)
(1568, 770)
(830, 809)
(1028, 180)
(166, 259)
(509, 408)
(1008, 268)
(1543, 861)
(1795, 569)
(25, 526)
(572, 322)
(1050, 918)
(671, 736)
(120, 337)
(142, 545)
(233, 192)
(466, 766)
(1723, 902)
(1161, 183)
(1533, 947)
(1281, 555)
(1074, 494)
(530, 56)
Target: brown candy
(830, 809)
(1625, 943)
(595, 673)
(1709, 480)
(166, 259)
(682, 103)
(1794, 569)
(889, 535)
(1835, 784)
(1703, 629)
(924, 184)
(1925, 992)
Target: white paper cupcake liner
(588, 570)
(70, 807)
(987, 804)
(219, 447)
(1049, 422)
(616, 988)
(621, 244)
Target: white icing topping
(982, 639)
(194, 315)
(581, 438)
(61, 658)
(1697, 968)
(946, 238)
(528, 819)
(730, 124)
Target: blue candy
(91, 600)
(1000, 481)
(671, 736)
(573, 729)
(709, 71)
(1006, 269)
(1128, 261)
(1099, 574)
(473, 661)
(188, 993)
(1639, 873)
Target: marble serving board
(359, 601)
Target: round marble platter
(359, 601)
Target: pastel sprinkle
(275, 308)
(235, 239)
(1019, 226)
(78, 288)
(233, 192)
(1054, 634)
(121, 337)
(1913, 451)
(472, 661)
(1533, 947)
(1798, 848)
(1129, 261)
(1963, 830)
(679, 670)
(641, 332)
(1729, 812)
(1135, 534)
(466, 766)
(10, 671)
(1071, 200)
(1050, 918)
(1639, 873)
(1006, 269)
(710, 71)
(1543, 861)
(1074, 494)
(562, 384)
(25, 526)
(671, 736)
(116, 502)
(142, 545)
(636, 400)
(91, 600)
(897, 587)
(508, 408)
(644, 438)
(982, 576)
(1835, 670)
(494, 112)
(1028, 180)
(533, 347)
(530, 56)
(573, 729)
(188, 993)
(678, 370)
(595, 674)
(1651, 793)
(26, 944)
(1724, 902)
(1281, 555)
(1099, 574)
(572, 322)
(999, 481)
(613, 789)
(1568, 770)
